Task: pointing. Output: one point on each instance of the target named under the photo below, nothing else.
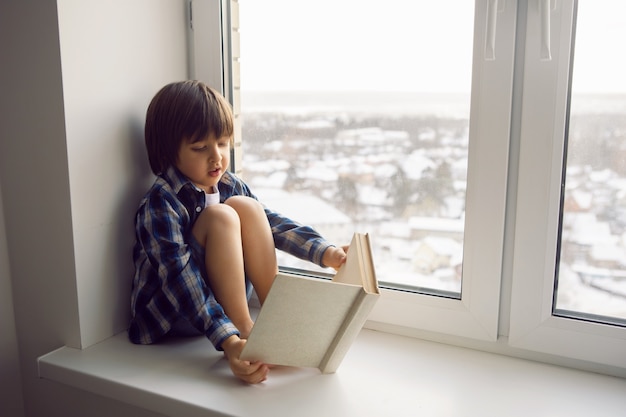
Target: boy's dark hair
(186, 110)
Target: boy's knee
(243, 204)
(219, 214)
(215, 218)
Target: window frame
(544, 122)
(475, 314)
(507, 291)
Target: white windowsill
(382, 375)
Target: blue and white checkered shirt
(168, 284)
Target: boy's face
(204, 162)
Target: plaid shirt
(168, 282)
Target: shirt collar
(176, 179)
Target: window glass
(355, 117)
(592, 268)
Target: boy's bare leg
(218, 229)
(258, 244)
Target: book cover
(312, 322)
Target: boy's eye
(200, 149)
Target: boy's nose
(214, 155)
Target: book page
(358, 268)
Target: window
(364, 124)
(520, 131)
(572, 124)
(592, 264)
(377, 117)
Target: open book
(311, 322)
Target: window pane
(592, 271)
(355, 117)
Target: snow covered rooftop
(439, 224)
(303, 208)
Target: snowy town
(403, 180)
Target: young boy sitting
(203, 240)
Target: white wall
(114, 57)
(76, 78)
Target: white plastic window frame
(475, 314)
(543, 128)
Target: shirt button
(198, 209)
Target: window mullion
(475, 315)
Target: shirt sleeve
(296, 239)
(182, 290)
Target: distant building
(436, 253)
(422, 227)
(577, 201)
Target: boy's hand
(250, 372)
(335, 257)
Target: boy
(202, 239)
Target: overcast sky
(401, 45)
(600, 61)
(356, 45)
